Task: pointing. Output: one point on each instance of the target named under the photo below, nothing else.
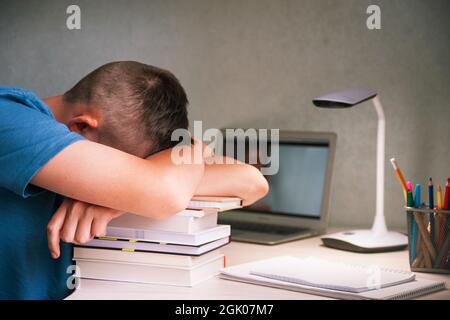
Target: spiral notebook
(331, 279)
(331, 275)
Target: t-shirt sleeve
(29, 138)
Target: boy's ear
(82, 124)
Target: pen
(400, 177)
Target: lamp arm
(379, 223)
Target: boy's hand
(77, 222)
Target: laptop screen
(298, 186)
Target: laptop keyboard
(265, 228)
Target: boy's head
(128, 105)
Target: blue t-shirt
(29, 137)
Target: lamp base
(366, 241)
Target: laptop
(297, 204)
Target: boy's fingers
(53, 231)
(74, 212)
(101, 220)
(98, 228)
(100, 224)
(83, 231)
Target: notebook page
(326, 274)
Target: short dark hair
(139, 104)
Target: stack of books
(182, 250)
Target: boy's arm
(78, 222)
(100, 175)
(237, 179)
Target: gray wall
(258, 64)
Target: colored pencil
(431, 206)
(409, 186)
(438, 217)
(427, 258)
(400, 178)
(439, 197)
(425, 235)
(446, 245)
(442, 257)
(428, 245)
(419, 260)
(447, 195)
(414, 224)
(417, 196)
(410, 203)
(446, 206)
(419, 251)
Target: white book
(193, 239)
(406, 290)
(187, 221)
(165, 259)
(153, 274)
(217, 203)
(139, 245)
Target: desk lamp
(377, 239)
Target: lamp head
(344, 99)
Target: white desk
(238, 253)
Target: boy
(88, 145)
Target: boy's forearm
(107, 177)
(178, 183)
(183, 179)
(237, 179)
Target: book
(218, 203)
(114, 255)
(193, 239)
(146, 246)
(406, 290)
(187, 221)
(149, 273)
(331, 275)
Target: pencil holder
(429, 239)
